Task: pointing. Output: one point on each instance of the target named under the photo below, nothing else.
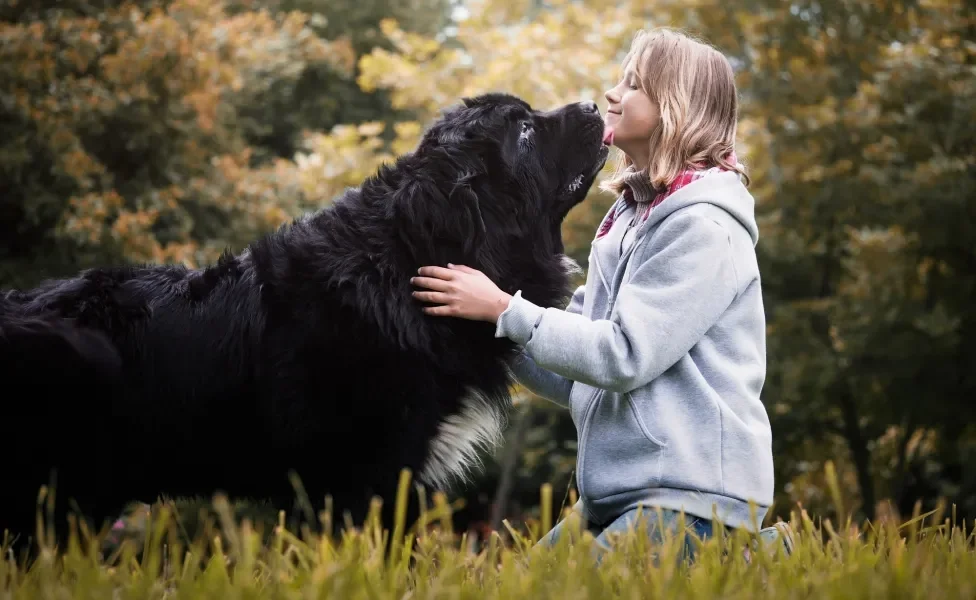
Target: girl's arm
(685, 281)
(542, 382)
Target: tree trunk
(903, 462)
(859, 450)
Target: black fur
(305, 352)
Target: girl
(660, 357)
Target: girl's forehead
(634, 63)
(629, 68)
(632, 69)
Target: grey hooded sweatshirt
(660, 358)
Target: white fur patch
(454, 450)
(576, 183)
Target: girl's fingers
(462, 268)
(438, 272)
(435, 297)
(438, 311)
(431, 283)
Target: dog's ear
(454, 137)
(437, 224)
(464, 197)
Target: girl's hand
(461, 292)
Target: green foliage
(274, 117)
(153, 131)
(116, 128)
(869, 250)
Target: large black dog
(306, 351)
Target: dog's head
(490, 184)
(539, 164)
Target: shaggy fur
(306, 351)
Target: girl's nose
(611, 96)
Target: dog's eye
(526, 129)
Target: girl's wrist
(499, 306)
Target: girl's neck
(640, 161)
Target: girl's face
(631, 118)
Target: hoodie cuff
(519, 320)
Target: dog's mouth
(599, 160)
(577, 183)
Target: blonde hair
(693, 86)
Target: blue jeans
(657, 521)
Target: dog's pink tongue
(608, 135)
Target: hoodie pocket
(643, 426)
(617, 451)
(582, 397)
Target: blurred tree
(907, 306)
(116, 130)
(151, 130)
(865, 189)
(316, 95)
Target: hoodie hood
(723, 189)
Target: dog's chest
(454, 450)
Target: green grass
(928, 557)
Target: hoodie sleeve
(539, 381)
(684, 281)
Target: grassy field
(928, 557)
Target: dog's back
(110, 379)
(29, 343)
(47, 364)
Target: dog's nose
(589, 107)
